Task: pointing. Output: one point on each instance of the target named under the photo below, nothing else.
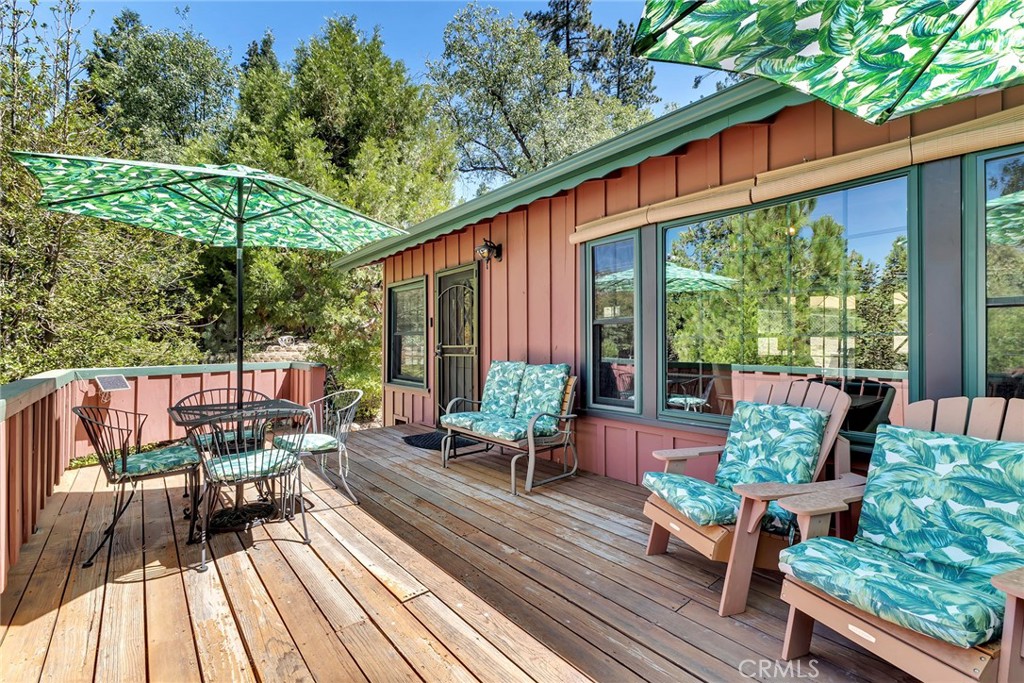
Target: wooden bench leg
(1011, 654)
(799, 629)
(657, 542)
(741, 557)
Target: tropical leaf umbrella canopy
(876, 59)
(1004, 220)
(225, 206)
(202, 203)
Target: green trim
(975, 303)
(29, 389)
(588, 322)
(748, 101)
(419, 282)
(915, 358)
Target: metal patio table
(243, 515)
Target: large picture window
(813, 289)
(1004, 276)
(613, 288)
(407, 333)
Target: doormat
(432, 441)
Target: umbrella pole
(239, 271)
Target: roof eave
(745, 102)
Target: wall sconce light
(487, 251)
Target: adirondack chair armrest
(814, 510)
(455, 401)
(823, 502)
(1011, 583)
(677, 454)
(776, 491)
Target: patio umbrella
(225, 206)
(876, 59)
(678, 280)
(1004, 220)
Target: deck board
(436, 575)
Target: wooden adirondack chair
(745, 545)
(924, 656)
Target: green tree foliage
(348, 121)
(75, 291)
(159, 89)
(502, 89)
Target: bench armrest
(775, 491)
(455, 401)
(1011, 583)
(560, 418)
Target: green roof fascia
(742, 103)
(14, 396)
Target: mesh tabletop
(190, 416)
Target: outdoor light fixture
(488, 250)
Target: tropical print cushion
(879, 581)
(261, 463)
(310, 443)
(508, 428)
(541, 392)
(463, 420)
(502, 388)
(771, 443)
(228, 436)
(706, 503)
(953, 505)
(166, 459)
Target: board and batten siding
(530, 301)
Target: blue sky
(412, 30)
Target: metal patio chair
(116, 436)
(233, 451)
(333, 416)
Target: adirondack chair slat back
(811, 395)
(989, 417)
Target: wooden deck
(436, 575)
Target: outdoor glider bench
(936, 570)
(524, 408)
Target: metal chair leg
(108, 533)
(211, 492)
(302, 510)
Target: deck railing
(39, 436)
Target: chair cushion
(877, 580)
(705, 503)
(311, 443)
(950, 504)
(508, 428)
(159, 460)
(771, 443)
(463, 420)
(502, 388)
(229, 435)
(262, 463)
(541, 392)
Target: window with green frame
(613, 322)
(1002, 283)
(815, 288)
(407, 333)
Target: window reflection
(814, 289)
(1004, 276)
(407, 332)
(613, 286)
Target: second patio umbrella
(226, 206)
(876, 59)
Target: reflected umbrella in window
(678, 280)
